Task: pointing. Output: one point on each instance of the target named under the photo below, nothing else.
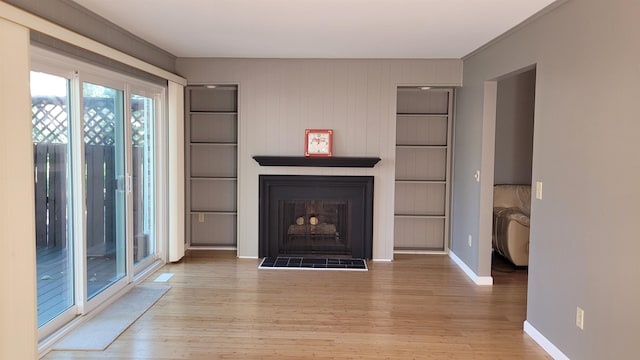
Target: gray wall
(74, 17)
(514, 128)
(279, 99)
(584, 237)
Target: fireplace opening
(314, 227)
(316, 215)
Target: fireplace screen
(314, 227)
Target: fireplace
(304, 215)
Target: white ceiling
(317, 28)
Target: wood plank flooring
(416, 307)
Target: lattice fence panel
(50, 121)
(138, 121)
(49, 118)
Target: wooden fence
(51, 194)
(50, 149)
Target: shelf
(413, 216)
(334, 161)
(402, 146)
(195, 212)
(208, 143)
(407, 181)
(212, 212)
(214, 112)
(422, 114)
(217, 178)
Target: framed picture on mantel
(318, 142)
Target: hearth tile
(282, 262)
(314, 261)
(336, 266)
(311, 263)
(356, 266)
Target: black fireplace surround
(336, 212)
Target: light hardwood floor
(416, 307)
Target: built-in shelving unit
(211, 165)
(423, 157)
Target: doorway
(513, 158)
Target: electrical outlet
(539, 190)
(580, 318)
(201, 217)
(470, 240)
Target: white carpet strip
(100, 331)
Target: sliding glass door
(142, 159)
(52, 166)
(104, 177)
(95, 163)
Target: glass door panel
(51, 152)
(142, 150)
(104, 187)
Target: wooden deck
(53, 271)
(416, 307)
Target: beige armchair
(511, 210)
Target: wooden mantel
(333, 161)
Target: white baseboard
(382, 260)
(420, 252)
(479, 280)
(547, 345)
(213, 248)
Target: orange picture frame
(318, 142)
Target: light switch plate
(539, 190)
